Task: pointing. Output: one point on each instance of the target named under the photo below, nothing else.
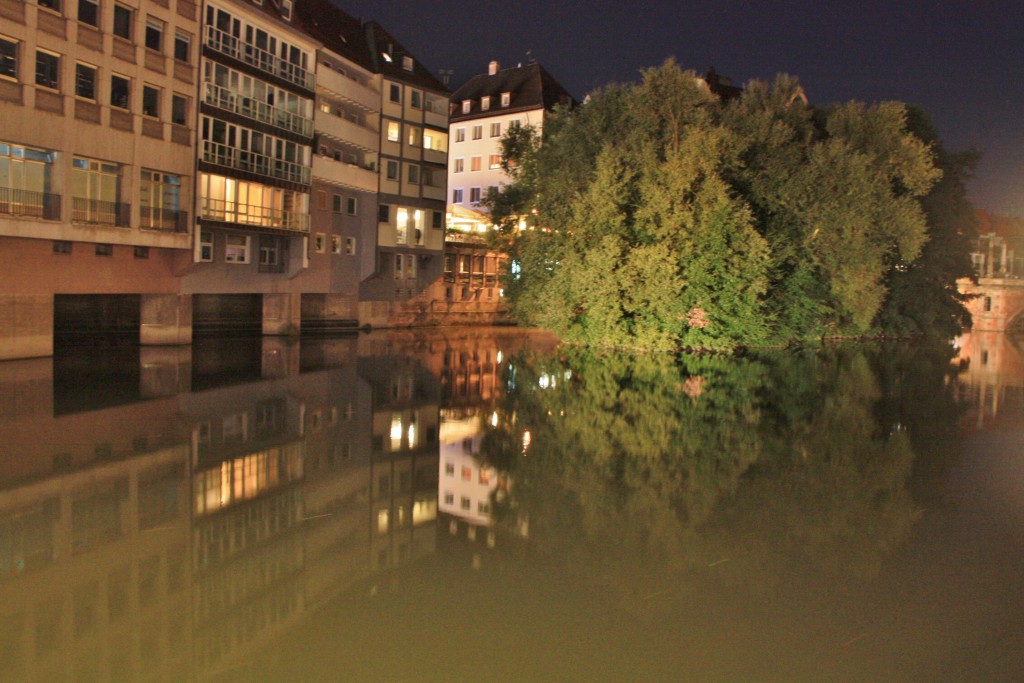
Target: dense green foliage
(666, 218)
(656, 466)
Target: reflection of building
(992, 377)
(998, 258)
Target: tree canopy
(665, 217)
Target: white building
(482, 111)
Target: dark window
(154, 34)
(150, 101)
(47, 69)
(85, 81)
(396, 93)
(61, 247)
(336, 203)
(8, 58)
(50, 4)
(141, 252)
(182, 46)
(88, 12)
(104, 249)
(119, 91)
(122, 22)
(350, 206)
(436, 223)
(179, 110)
(384, 213)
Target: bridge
(998, 304)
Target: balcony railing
(254, 215)
(223, 98)
(99, 212)
(223, 155)
(29, 203)
(167, 220)
(227, 44)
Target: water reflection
(265, 509)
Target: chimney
(493, 67)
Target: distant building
(482, 110)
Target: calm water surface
(481, 504)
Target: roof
(380, 42)
(1006, 227)
(339, 31)
(531, 87)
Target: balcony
(254, 215)
(247, 53)
(346, 131)
(28, 203)
(347, 88)
(341, 173)
(250, 162)
(164, 220)
(228, 100)
(99, 212)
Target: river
(484, 504)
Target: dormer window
(467, 106)
(407, 63)
(485, 103)
(506, 99)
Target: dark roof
(531, 87)
(380, 41)
(339, 32)
(721, 85)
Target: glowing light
(494, 419)
(527, 439)
(499, 356)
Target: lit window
(236, 248)
(506, 99)
(414, 136)
(475, 163)
(335, 244)
(467, 106)
(159, 200)
(467, 473)
(350, 246)
(494, 161)
(407, 64)
(485, 103)
(394, 131)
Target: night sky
(963, 62)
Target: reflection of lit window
(494, 417)
(424, 511)
(396, 432)
(485, 476)
(412, 436)
(526, 441)
(467, 474)
(382, 521)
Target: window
(467, 106)
(95, 189)
(335, 244)
(350, 246)
(492, 191)
(236, 248)
(414, 136)
(120, 90)
(478, 131)
(988, 304)
(182, 46)
(8, 58)
(159, 200)
(85, 81)
(384, 213)
(123, 17)
(205, 246)
(351, 206)
(141, 252)
(435, 222)
(395, 93)
(474, 195)
(179, 109)
(460, 165)
(414, 174)
(494, 161)
(50, 4)
(475, 163)
(47, 69)
(150, 101)
(399, 262)
(336, 203)
(407, 64)
(496, 129)
(415, 99)
(320, 243)
(25, 175)
(394, 131)
(61, 247)
(392, 170)
(272, 254)
(460, 135)
(506, 99)
(88, 12)
(104, 249)
(154, 34)
(485, 103)
(457, 195)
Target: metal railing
(223, 155)
(254, 215)
(166, 220)
(227, 44)
(29, 203)
(97, 211)
(223, 98)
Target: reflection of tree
(640, 469)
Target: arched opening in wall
(83, 315)
(1016, 326)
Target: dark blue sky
(962, 61)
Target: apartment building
(96, 167)
(413, 157)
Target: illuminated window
(320, 243)
(494, 161)
(350, 246)
(394, 131)
(485, 103)
(467, 473)
(485, 476)
(475, 163)
(506, 99)
(467, 106)
(335, 244)
(236, 248)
